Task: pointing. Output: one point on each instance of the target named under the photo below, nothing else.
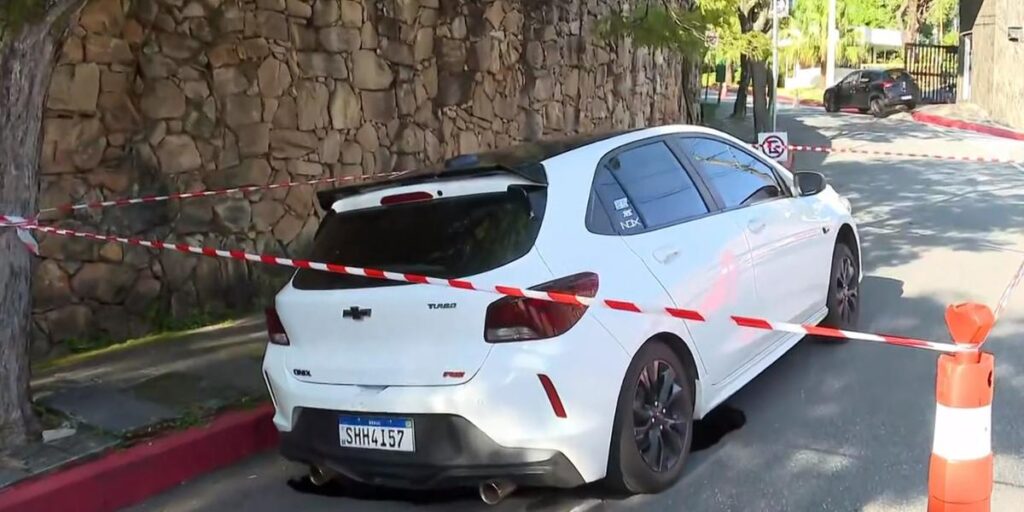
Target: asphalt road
(836, 427)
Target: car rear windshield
(896, 74)
(447, 238)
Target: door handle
(665, 254)
(755, 225)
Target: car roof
(611, 143)
(524, 159)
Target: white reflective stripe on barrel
(962, 434)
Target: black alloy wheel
(831, 105)
(659, 427)
(653, 422)
(843, 290)
(877, 107)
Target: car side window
(643, 188)
(852, 78)
(738, 177)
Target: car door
(786, 236)
(846, 89)
(668, 219)
(862, 96)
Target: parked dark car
(873, 90)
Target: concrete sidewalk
(116, 397)
(965, 116)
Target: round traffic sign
(773, 146)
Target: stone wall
(156, 96)
(996, 83)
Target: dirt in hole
(716, 424)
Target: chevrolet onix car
(413, 385)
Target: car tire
(639, 466)
(830, 103)
(843, 299)
(911, 106)
(877, 107)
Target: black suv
(874, 90)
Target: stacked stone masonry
(155, 96)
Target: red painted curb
(122, 478)
(967, 125)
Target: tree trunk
(26, 60)
(759, 74)
(913, 12)
(739, 109)
(692, 112)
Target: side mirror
(809, 183)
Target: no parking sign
(775, 145)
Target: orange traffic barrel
(960, 470)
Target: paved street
(835, 427)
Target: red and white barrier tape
(22, 225)
(206, 193)
(1008, 291)
(7, 221)
(829, 149)
(511, 291)
(15, 221)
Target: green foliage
(193, 416)
(940, 22)
(951, 38)
(683, 30)
(79, 345)
(15, 13)
(867, 13)
(807, 28)
(163, 322)
(941, 12)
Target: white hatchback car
(423, 386)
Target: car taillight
(408, 197)
(888, 83)
(524, 319)
(275, 329)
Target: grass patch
(164, 323)
(49, 418)
(803, 93)
(192, 417)
(89, 349)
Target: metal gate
(935, 68)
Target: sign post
(781, 10)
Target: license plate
(374, 433)
(906, 97)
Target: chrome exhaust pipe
(493, 491)
(320, 476)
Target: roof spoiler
(453, 169)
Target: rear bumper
(504, 401)
(450, 452)
(898, 100)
